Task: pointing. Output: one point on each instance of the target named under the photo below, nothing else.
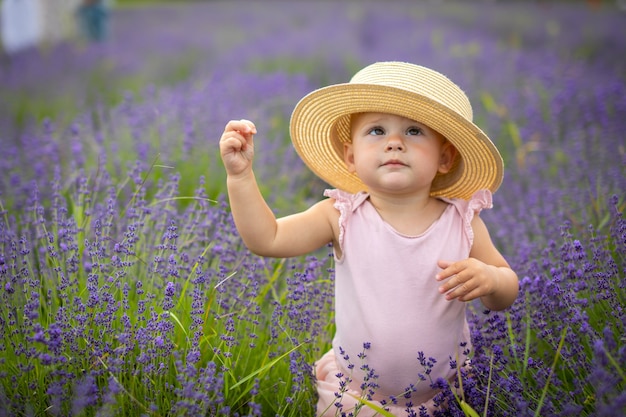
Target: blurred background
(110, 115)
(41, 23)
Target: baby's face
(393, 151)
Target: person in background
(94, 18)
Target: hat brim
(320, 126)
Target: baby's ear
(348, 157)
(448, 155)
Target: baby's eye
(376, 131)
(414, 131)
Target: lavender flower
(122, 275)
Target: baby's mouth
(394, 162)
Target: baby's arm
(293, 235)
(485, 274)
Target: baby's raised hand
(237, 147)
(467, 279)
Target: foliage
(127, 291)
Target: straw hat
(320, 125)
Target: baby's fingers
(459, 289)
(243, 126)
(238, 135)
(453, 285)
(232, 144)
(456, 279)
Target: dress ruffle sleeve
(480, 200)
(345, 203)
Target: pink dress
(387, 300)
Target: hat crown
(418, 80)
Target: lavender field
(126, 291)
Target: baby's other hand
(467, 279)
(237, 147)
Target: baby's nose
(394, 145)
